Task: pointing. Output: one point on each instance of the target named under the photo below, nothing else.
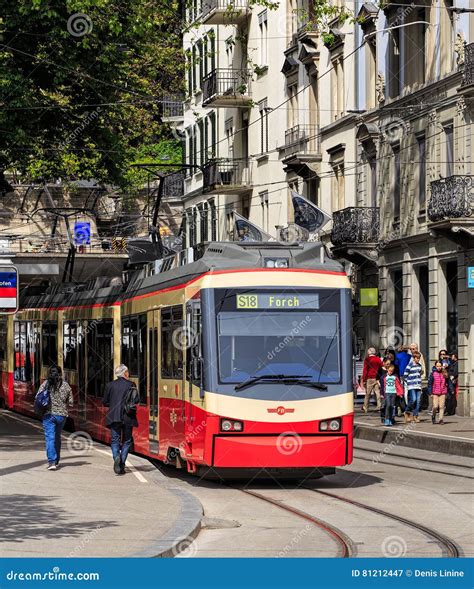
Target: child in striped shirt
(412, 376)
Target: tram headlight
(333, 425)
(231, 425)
(276, 262)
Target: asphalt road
(430, 494)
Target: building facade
(373, 123)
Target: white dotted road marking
(139, 475)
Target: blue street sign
(82, 233)
(470, 277)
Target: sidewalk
(455, 437)
(84, 509)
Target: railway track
(346, 547)
(448, 547)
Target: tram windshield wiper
(282, 378)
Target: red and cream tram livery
(242, 357)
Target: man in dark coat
(121, 397)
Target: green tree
(80, 84)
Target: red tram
(242, 357)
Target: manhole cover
(215, 523)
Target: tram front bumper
(286, 450)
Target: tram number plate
(247, 302)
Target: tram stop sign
(8, 289)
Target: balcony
(451, 207)
(302, 146)
(467, 84)
(224, 12)
(355, 233)
(227, 175)
(173, 186)
(172, 109)
(227, 88)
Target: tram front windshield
(291, 334)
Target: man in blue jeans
(413, 378)
(121, 397)
(54, 418)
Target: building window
(449, 160)
(263, 110)
(171, 352)
(212, 205)
(447, 37)
(134, 350)
(229, 50)
(229, 134)
(265, 216)
(263, 33)
(202, 142)
(200, 58)
(397, 282)
(100, 356)
(394, 77)
(421, 142)
(293, 113)
(189, 68)
(396, 183)
(49, 334)
(203, 222)
(193, 68)
(70, 345)
(213, 125)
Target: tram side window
(171, 350)
(100, 356)
(23, 351)
(70, 345)
(50, 343)
(3, 340)
(134, 350)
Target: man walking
(413, 378)
(372, 365)
(121, 397)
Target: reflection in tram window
(171, 344)
(70, 345)
(134, 350)
(26, 358)
(287, 343)
(100, 357)
(50, 343)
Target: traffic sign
(470, 277)
(8, 289)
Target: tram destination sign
(277, 301)
(8, 289)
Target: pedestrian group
(397, 379)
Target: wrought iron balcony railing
(172, 107)
(226, 87)
(224, 11)
(451, 198)
(355, 225)
(302, 139)
(226, 174)
(468, 73)
(173, 186)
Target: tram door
(81, 369)
(193, 354)
(153, 378)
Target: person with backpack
(438, 388)
(122, 399)
(52, 401)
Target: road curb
(185, 529)
(418, 441)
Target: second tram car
(242, 357)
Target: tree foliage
(80, 82)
